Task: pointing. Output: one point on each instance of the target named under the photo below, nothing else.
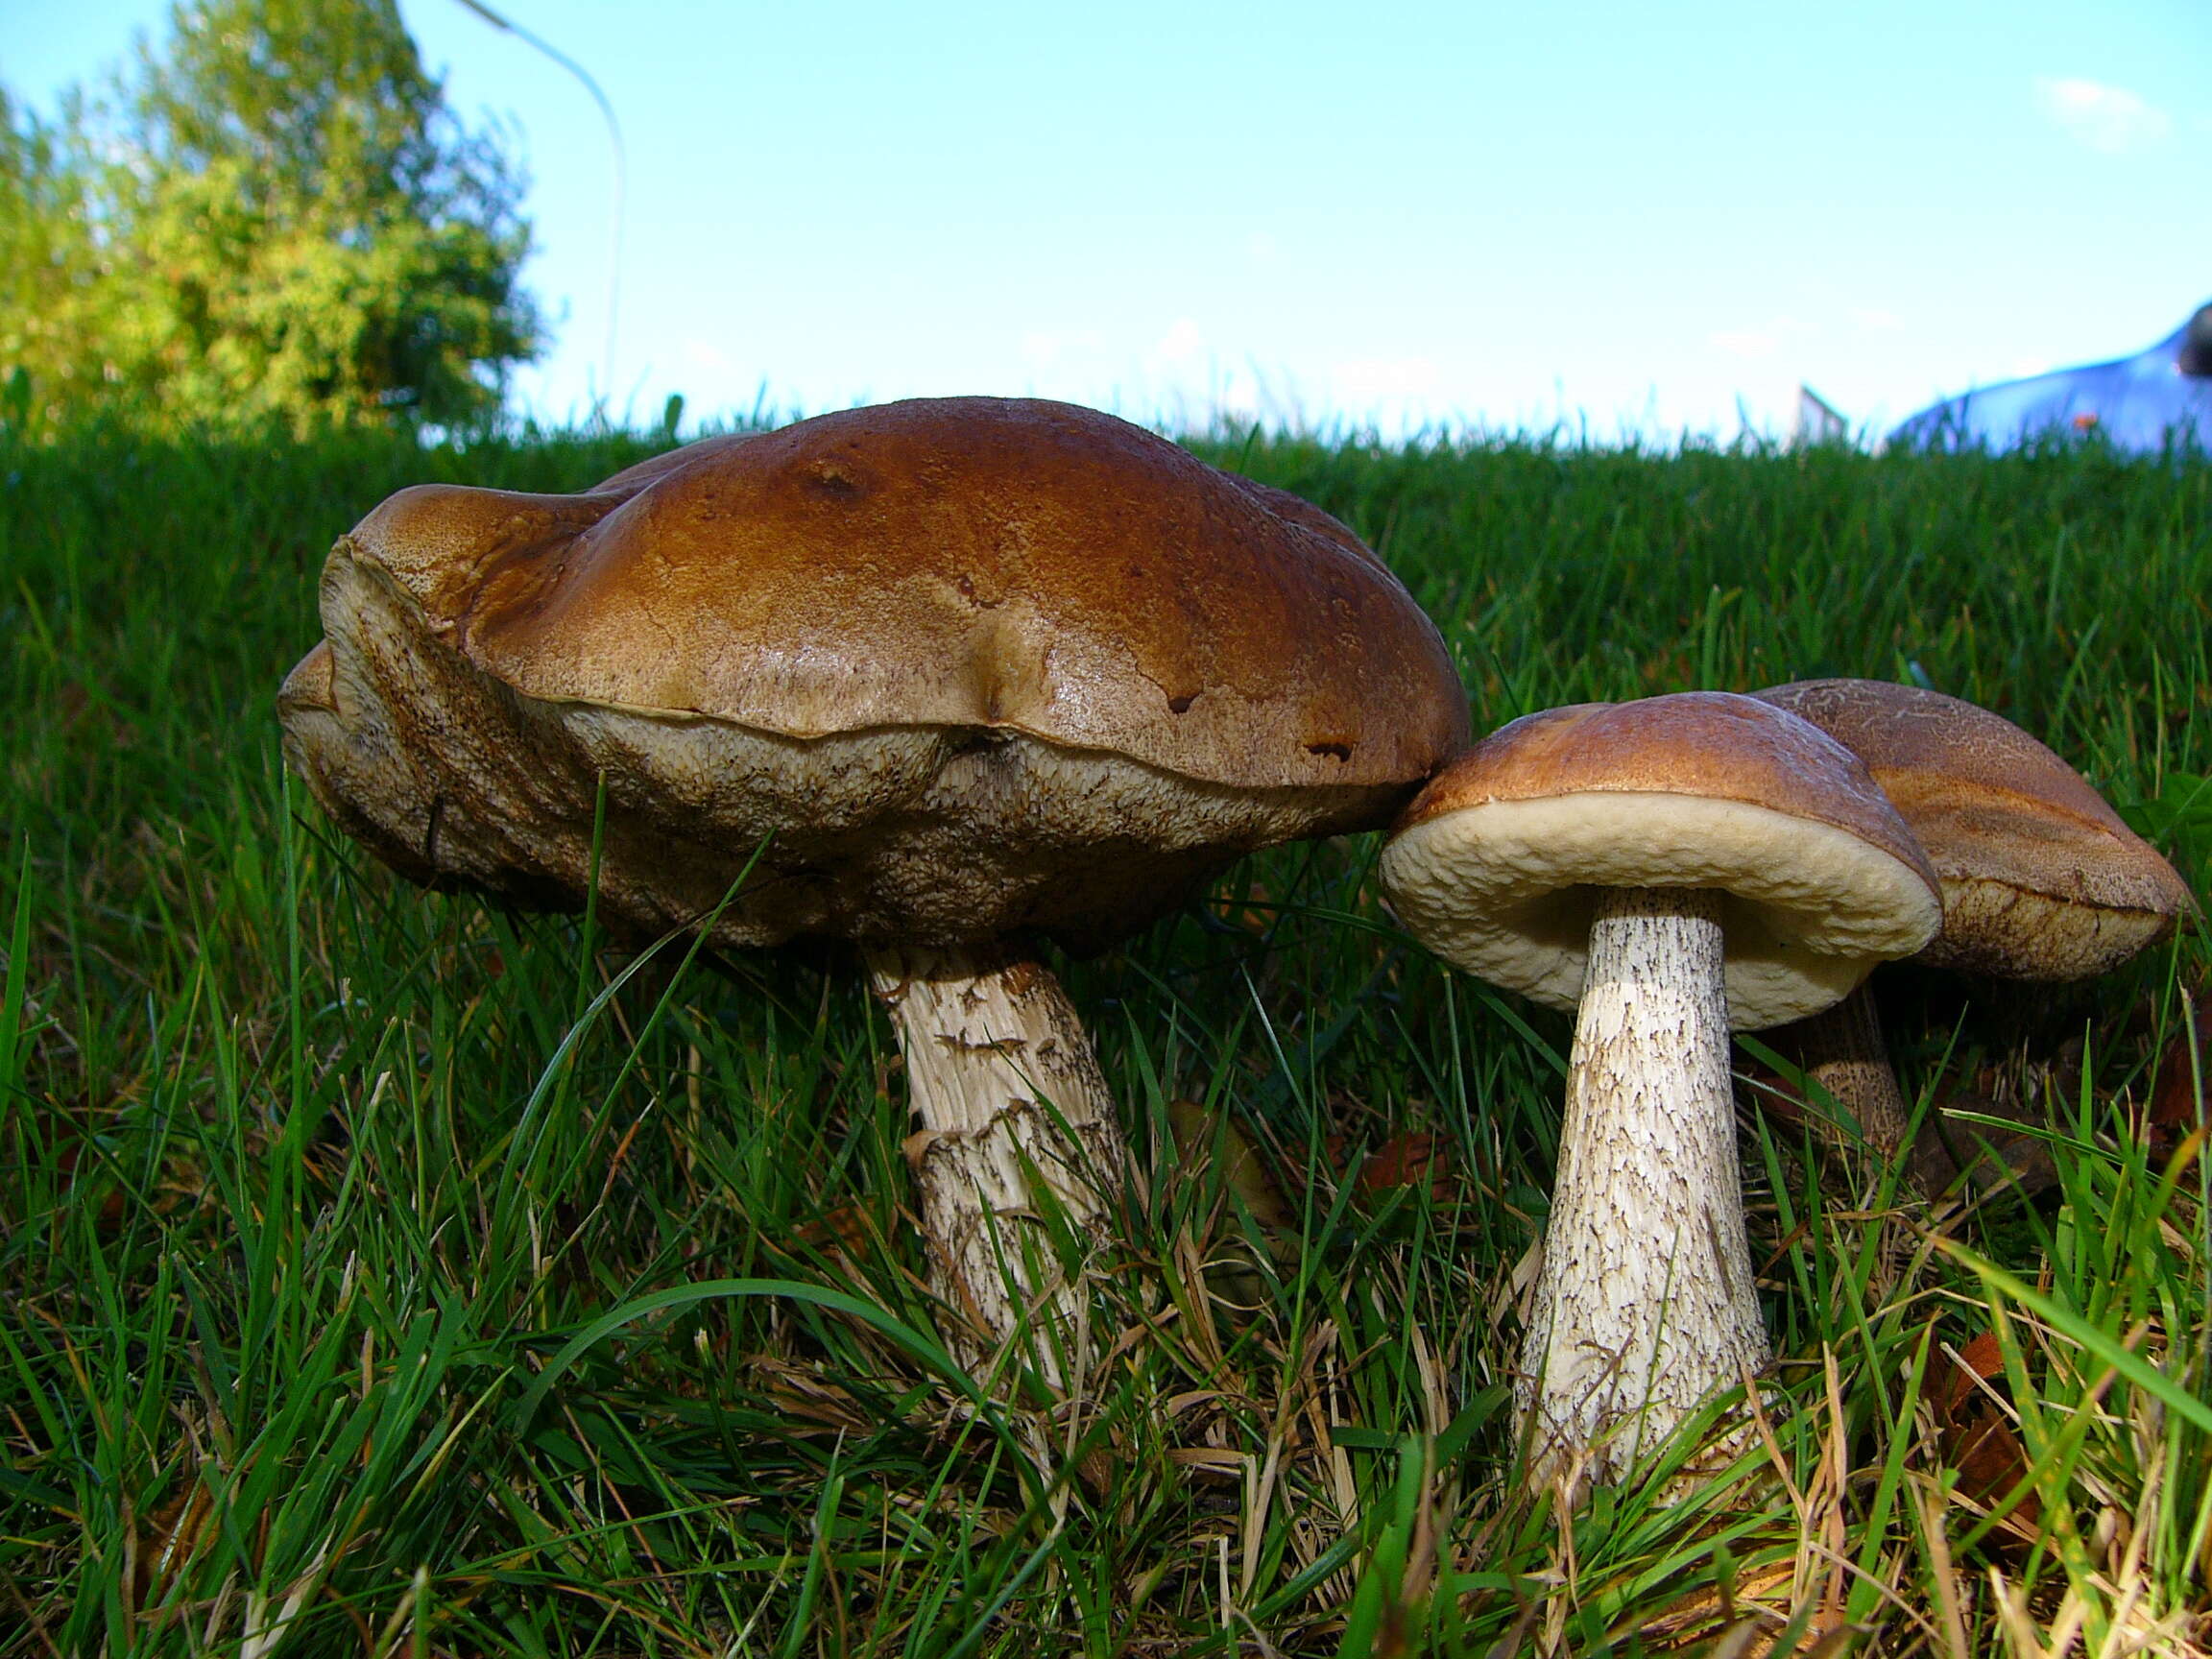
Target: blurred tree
(279, 216)
(45, 264)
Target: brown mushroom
(1670, 868)
(943, 676)
(2041, 879)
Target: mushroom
(2041, 879)
(1670, 868)
(939, 677)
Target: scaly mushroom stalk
(1009, 1099)
(1644, 1307)
(1841, 1051)
(1843, 1054)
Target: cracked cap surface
(2041, 879)
(973, 663)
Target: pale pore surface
(1993, 926)
(1645, 1303)
(1013, 1117)
(1507, 891)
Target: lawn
(387, 1273)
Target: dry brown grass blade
(1950, 1609)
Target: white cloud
(2108, 119)
(1363, 380)
(1752, 343)
(1183, 342)
(703, 355)
(1057, 349)
(1874, 319)
(1759, 341)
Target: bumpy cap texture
(1497, 863)
(934, 670)
(2041, 879)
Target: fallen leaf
(1410, 1158)
(2177, 1085)
(1978, 1441)
(1949, 1150)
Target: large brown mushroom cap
(1498, 862)
(949, 667)
(2041, 879)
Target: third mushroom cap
(2042, 879)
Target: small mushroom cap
(2041, 879)
(1497, 862)
(944, 668)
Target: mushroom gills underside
(1478, 887)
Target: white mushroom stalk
(1673, 870)
(1015, 1126)
(1643, 1306)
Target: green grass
(386, 1274)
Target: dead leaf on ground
(2177, 1092)
(1978, 1440)
(1949, 1150)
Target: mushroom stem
(1014, 1122)
(1841, 1049)
(1645, 1306)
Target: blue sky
(1623, 216)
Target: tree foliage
(45, 263)
(275, 216)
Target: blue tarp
(2135, 403)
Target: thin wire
(622, 171)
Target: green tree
(46, 267)
(275, 216)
